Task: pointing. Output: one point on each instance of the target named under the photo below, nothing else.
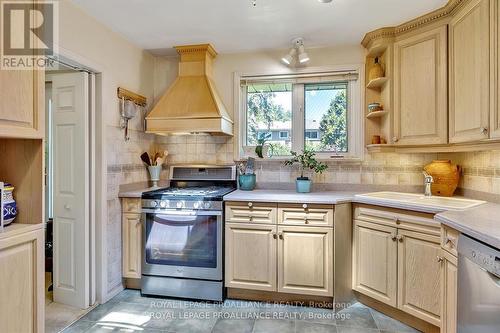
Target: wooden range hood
(191, 104)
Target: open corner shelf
(376, 114)
(377, 83)
(380, 148)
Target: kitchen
(348, 235)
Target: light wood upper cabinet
(449, 278)
(469, 46)
(420, 88)
(132, 245)
(250, 256)
(22, 286)
(419, 269)
(305, 260)
(375, 261)
(495, 71)
(22, 103)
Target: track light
(296, 50)
(288, 59)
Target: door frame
(98, 192)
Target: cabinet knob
(274, 236)
(306, 221)
(449, 241)
(394, 237)
(304, 206)
(484, 130)
(400, 238)
(250, 204)
(281, 236)
(395, 139)
(439, 259)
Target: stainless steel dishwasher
(478, 287)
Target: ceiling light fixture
(297, 49)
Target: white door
(71, 189)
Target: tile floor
(129, 312)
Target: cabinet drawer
(131, 205)
(305, 215)
(250, 212)
(402, 219)
(449, 239)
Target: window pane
(326, 117)
(269, 116)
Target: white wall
(121, 64)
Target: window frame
(355, 114)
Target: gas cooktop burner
(205, 192)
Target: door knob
(67, 207)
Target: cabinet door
(250, 256)
(420, 88)
(132, 245)
(449, 276)
(305, 260)
(469, 73)
(419, 279)
(495, 72)
(22, 286)
(22, 103)
(375, 261)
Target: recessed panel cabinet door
(495, 72)
(21, 289)
(470, 73)
(419, 275)
(250, 256)
(449, 278)
(21, 103)
(375, 261)
(305, 260)
(132, 245)
(420, 88)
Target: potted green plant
(305, 161)
(260, 149)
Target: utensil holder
(247, 182)
(154, 173)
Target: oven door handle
(173, 213)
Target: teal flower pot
(247, 182)
(303, 185)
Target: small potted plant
(261, 148)
(305, 161)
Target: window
(283, 134)
(296, 111)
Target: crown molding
(392, 32)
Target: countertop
(481, 222)
(135, 190)
(289, 196)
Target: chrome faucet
(428, 180)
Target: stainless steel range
(183, 233)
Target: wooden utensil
(146, 159)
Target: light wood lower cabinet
(305, 260)
(267, 254)
(132, 245)
(396, 260)
(449, 279)
(419, 269)
(22, 282)
(250, 256)
(375, 261)
(132, 238)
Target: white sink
(445, 203)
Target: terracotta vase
(376, 71)
(446, 177)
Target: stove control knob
(154, 203)
(163, 204)
(207, 205)
(197, 205)
(180, 204)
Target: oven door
(182, 243)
